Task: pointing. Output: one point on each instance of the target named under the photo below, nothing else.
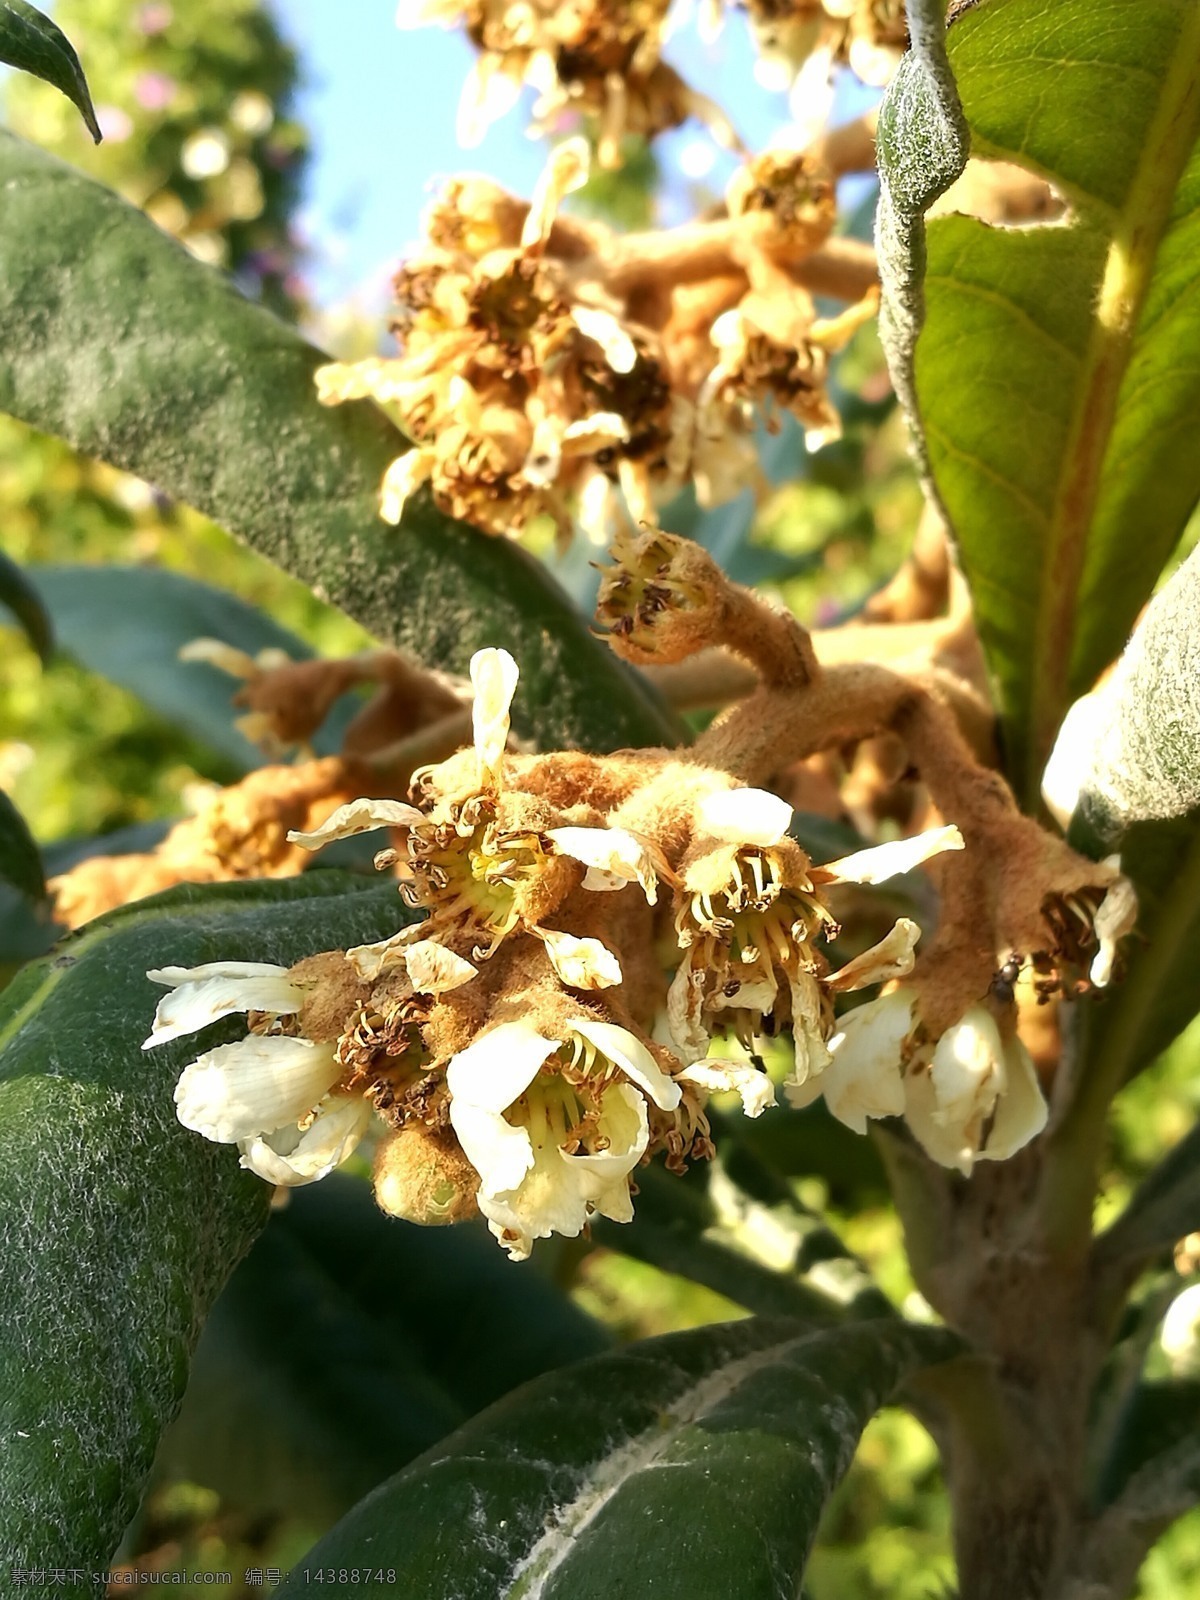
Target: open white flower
(270, 1094)
(552, 1152)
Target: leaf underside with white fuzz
(36, 45)
(694, 1464)
(1056, 375)
(119, 341)
(117, 1226)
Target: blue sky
(381, 103)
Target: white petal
(432, 969)
(290, 1157)
(613, 857)
(893, 957)
(401, 480)
(371, 961)
(619, 349)
(624, 1126)
(968, 1070)
(498, 1066)
(1114, 918)
(193, 1006)
(566, 169)
(685, 1009)
(216, 653)
(886, 861)
(239, 1090)
(755, 1088)
(494, 674)
(630, 1054)
(359, 816)
(500, 1153)
(174, 976)
(580, 963)
(949, 1147)
(744, 816)
(862, 1078)
(1021, 1111)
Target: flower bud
(421, 1175)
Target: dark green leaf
(27, 930)
(382, 1356)
(1152, 1478)
(1159, 1445)
(128, 624)
(563, 1489)
(1135, 1021)
(63, 854)
(301, 1425)
(1058, 367)
(737, 1228)
(20, 861)
(117, 1226)
(1164, 1209)
(33, 43)
(437, 1287)
(25, 603)
(115, 338)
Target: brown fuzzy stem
(397, 762)
(843, 268)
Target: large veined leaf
(128, 624)
(114, 337)
(1057, 371)
(117, 1226)
(382, 1357)
(33, 43)
(694, 1464)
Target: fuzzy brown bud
(421, 1175)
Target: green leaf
(561, 1491)
(382, 1357)
(735, 1226)
(20, 862)
(1140, 760)
(25, 603)
(33, 43)
(1135, 1021)
(115, 338)
(118, 1227)
(128, 624)
(1160, 1434)
(1058, 367)
(1165, 1208)
(1152, 1478)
